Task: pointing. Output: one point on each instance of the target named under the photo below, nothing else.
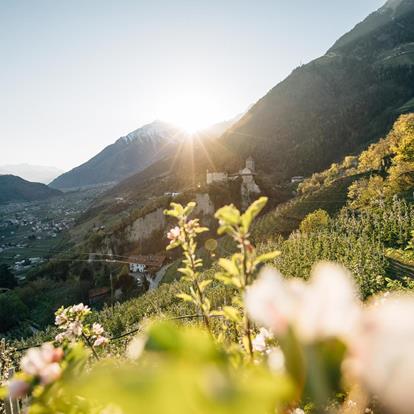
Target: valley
(33, 232)
(264, 263)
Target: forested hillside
(336, 104)
(13, 188)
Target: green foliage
(222, 371)
(12, 311)
(124, 280)
(184, 236)
(364, 192)
(239, 271)
(183, 370)
(315, 221)
(7, 278)
(393, 157)
(329, 176)
(13, 188)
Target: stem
(88, 342)
(247, 327)
(201, 298)
(191, 253)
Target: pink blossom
(43, 363)
(50, 373)
(100, 340)
(174, 233)
(18, 388)
(97, 329)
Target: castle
(223, 177)
(249, 188)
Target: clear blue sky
(77, 74)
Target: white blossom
(97, 329)
(100, 340)
(43, 363)
(272, 302)
(326, 307)
(276, 360)
(135, 347)
(329, 306)
(381, 354)
(260, 340)
(80, 308)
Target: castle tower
(250, 164)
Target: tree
(7, 278)
(12, 311)
(315, 221)
(363, 192)
(124, 280)
(86, 276)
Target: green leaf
(252, 212)
(224, 229)
(267, 257)
(223, 277)
(204, 283)
(186, 271)
(185, 297)
(231, 314)
(229, 266)
(228, 215)
(189, 208)
(172, 246)
(199, 230)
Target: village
(30, 232)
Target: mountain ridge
(34, 173)
(339, 102)
(331, 107)
(16, 189)
(131, 154)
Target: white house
(216, 177)
(137, 267)
(146, 264)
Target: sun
(192, 120)
(192, 111)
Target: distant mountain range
(331, 107)
(131, 154)
(13, 188)
(34, 173)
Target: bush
(315, 221)
(12, 311)
(7, 278)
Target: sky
(76, 75)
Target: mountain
(124, 157)
(35, 173)
(331, 107)
(13, 188)
(334, 105)
(133, 153)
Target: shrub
(315, 221)
(12, 311)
